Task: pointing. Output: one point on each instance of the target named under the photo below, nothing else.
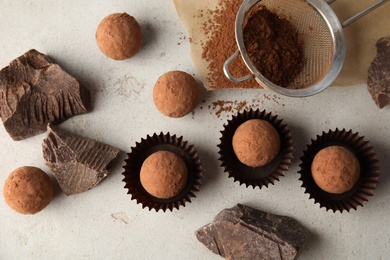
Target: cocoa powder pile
(221, 44)
(273, 46)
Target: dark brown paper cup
(255, 176)
(150, 145)
(369, 171)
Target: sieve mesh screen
(318, 42)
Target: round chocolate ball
(28, 190)
(335, 169)
(119, 36)
(256, 142)
(176, 93)
(163, 174)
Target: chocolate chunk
(78, 163)
(34, 92)
(242, 232)
(379, 74)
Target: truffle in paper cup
(150, 145)
(369, 171)
(255, 176)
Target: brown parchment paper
(360, 36)
(193, 14)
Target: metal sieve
(323, 43)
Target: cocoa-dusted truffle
(28, 190)
(163, 174)
(256, 142)
(176, 93)
(335, 169)
(149, 146)
(119, 36)
(359, 149)
(255, 176)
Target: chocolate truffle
(176, 93)
(163, 174)
(335, 169)
(28, 190)
(119, 36)
(256, 142)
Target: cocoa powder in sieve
(273, 46)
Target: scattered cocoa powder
(227, 106)
(241, 105)
(182, 38)
(222, 106)
(273, 46)
(221, 44)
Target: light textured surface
(104, 223)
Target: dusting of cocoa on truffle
(119, 36)
(176, 93)
(335, 169)
(256, 142)
(28, 190)
(163, 174)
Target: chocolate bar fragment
(34, 92)
(379, 74)
(242, 232)
(78, 163)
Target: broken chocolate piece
(379, 74)
(34, 92)
(78, 163)
(242, 232)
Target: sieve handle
(227, 72)
(362, 13)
